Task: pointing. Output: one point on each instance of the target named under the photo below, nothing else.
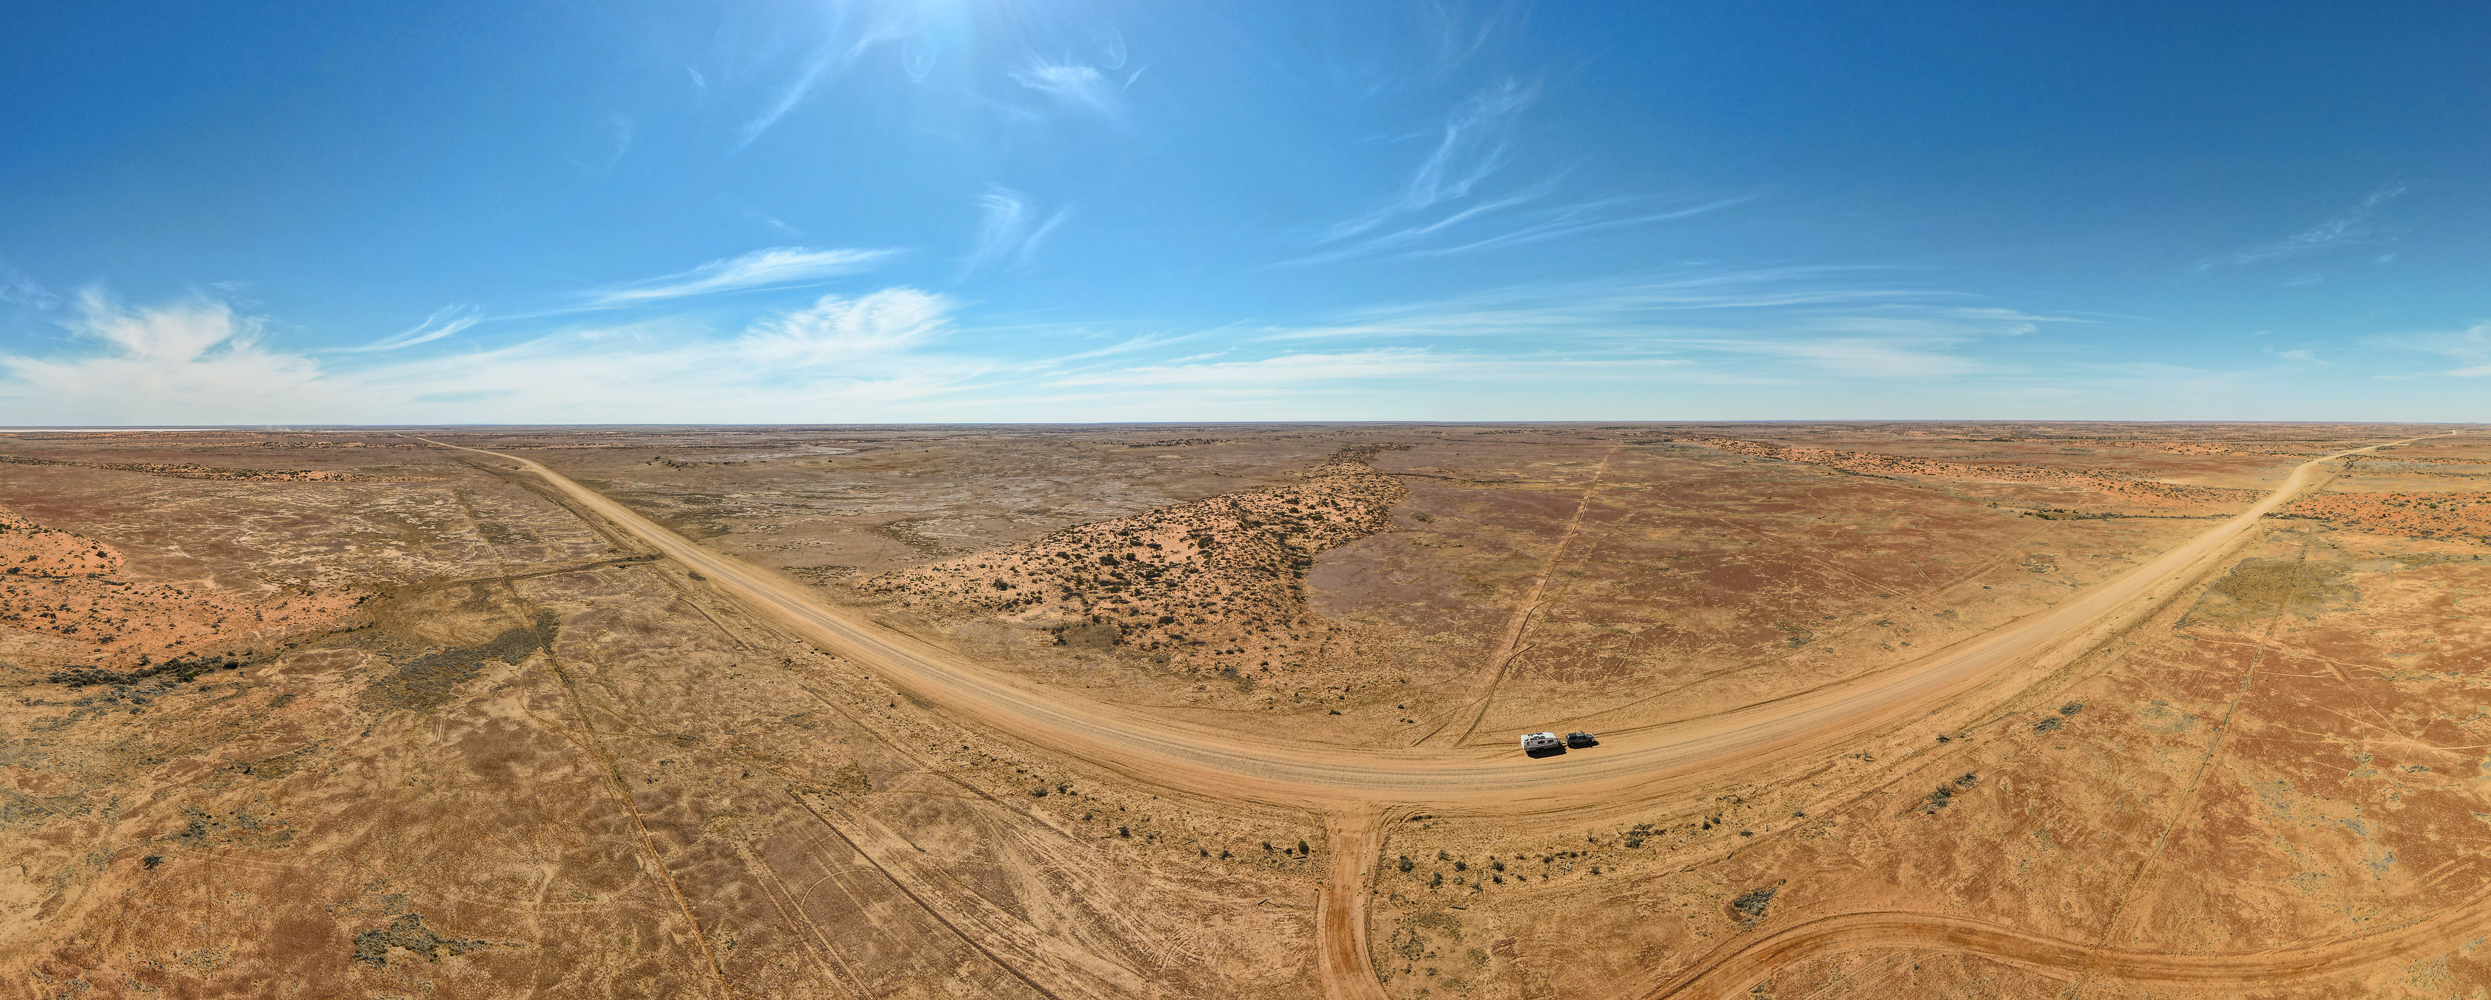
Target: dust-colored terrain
(1212, 587)
(64, 600)
(1885, 710)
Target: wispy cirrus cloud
(2470, 348)
(2350, 227)
(1457, 35)
(1700, 298)
(1295, 367)
(1858, 357)
(1110, 45)
(835, 328)
(1785, 322)
(1325, 372)
(776, 267)
(1130, 345)
(199, 361)
(1469, 147)
(839, 358)
(901, 353)
(18, 289)
(1517, 228)
(663, 370)
(1444, 208)
(827, 61)
(1576, 220)
(1010, 229)
(1075, 86)
(443, 322)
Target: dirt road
(1471, 779)
(1354, 835)
(1351, 785)
(1729, 972)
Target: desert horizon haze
(1392, 500)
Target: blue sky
(1053, 210)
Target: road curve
(1349, 785)
(1493, 779)
(1731, 969)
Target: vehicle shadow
(1548, 752)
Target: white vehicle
(1536, 742)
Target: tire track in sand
(594, 743)
(1508, 645)
(1227, 764)
(1731, 969)
(1348, 970)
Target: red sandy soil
(575, 755)
(2447, 516)
(59, 588)
(2128, 489)
(30, 549)
(1213, 583)
(2175, 447)
(187, 470)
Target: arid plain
(1885, 710)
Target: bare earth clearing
(2107, 710)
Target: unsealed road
(1226, 764)
(1352, 786)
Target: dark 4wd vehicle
(1580, 740)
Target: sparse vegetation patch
(1214, 586)
(408, 933)
(2258, 589)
